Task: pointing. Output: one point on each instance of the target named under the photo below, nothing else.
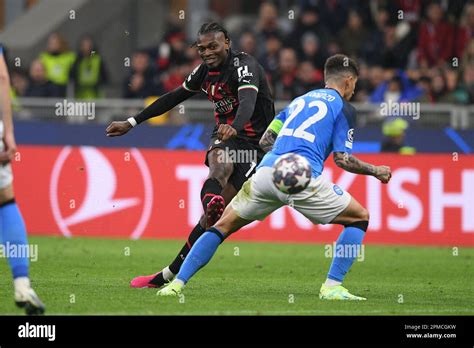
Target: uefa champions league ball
(291, 173)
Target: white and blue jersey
(314, 125)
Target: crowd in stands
(408, 50)
(51, 72)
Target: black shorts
(244, 155)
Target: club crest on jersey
(337, 190)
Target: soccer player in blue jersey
(313, 125)
(13, 237)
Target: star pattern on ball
(285, 168)
(292, 173)
(281, 186)
(302, 180)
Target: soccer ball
(291, 173)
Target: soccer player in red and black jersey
(243, 108)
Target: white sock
(330, 282)
(178, 281)
(167, 274)
(21, 282)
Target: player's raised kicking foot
(214, 210)
(337, 292)
(25, 297)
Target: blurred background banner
(102, 192)
(196, 136)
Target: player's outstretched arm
(356, 166)
(159, 107)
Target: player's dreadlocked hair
(212, 27)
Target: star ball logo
(350, 135)
(101, 192)
(350, 138)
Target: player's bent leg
(355, 219)
(354, 212)
(220, 167)
(6, 193)
(215, 194)
(230, 222)
(228, 193)
(167, 274)
(157, 280)
(256, 200)
(13, 234)
(204, 249)
(220, 170)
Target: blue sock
(200, 254)
(350, 240)
(13, 235)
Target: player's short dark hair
(213, 27)
(338, 65)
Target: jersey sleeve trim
(187, 88)
(248, 86)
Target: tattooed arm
(353, 164)
(267, 140)
(356, 166)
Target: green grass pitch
(84, 276)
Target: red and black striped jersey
(222, 85)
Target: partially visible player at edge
(12, 226)
(243, 109)
(313, 125)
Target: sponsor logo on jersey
(225, 105)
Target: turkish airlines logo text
(91, 194)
